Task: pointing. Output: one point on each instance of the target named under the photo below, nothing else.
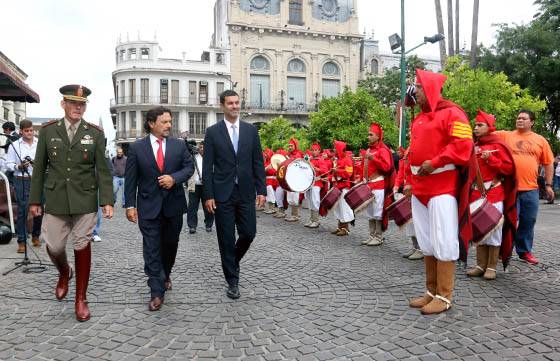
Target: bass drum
(295, 175)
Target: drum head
(476, 205)
(300, 175)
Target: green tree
(276, 133)
(347, 117)
(475, 89)
(529, 56)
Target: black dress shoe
(233, 292)
(208, 229)
(192, 230)
(155, 303)
(168, 285)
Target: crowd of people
(445, 182)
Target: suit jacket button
(68, 179)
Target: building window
(259, 91)
(296, 12)
(145, 53)
(174, 91)
(296, 66)
(121, 55)
(132, 90)
(203, 92)
(192, 92)
(145, 90)
(143, 114)
(132, 54)
(6, 113)
(219, 89)
(219, 117)
(296, 93)
(331, 80)
(175, 124)
(220, 58)
(122, 95)
(123, 123)
(133, 125)
(163, 91)
(197, 123)
(374, 67)
(18, 117)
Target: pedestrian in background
(119, 165)
(196, 195)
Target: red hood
(340, 148)
(295, 143)
(432, 84)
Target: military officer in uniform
(73, 152)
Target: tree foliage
(529, 56)
(347, 117)
(278, 132)
(475, 89)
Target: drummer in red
(498, 171)
(280, 193)
(293, 197)
(378, 172)
(441, 146)
(342, 173)
(313, 194)
(271, 182)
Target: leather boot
(64, 273)
(445, 283)
(481, 261)
(344, 229)
(337, 228)
(310, 219)
(294, 216)
(269, 208)
(83, 265)
(314, 219)
(493, 252)
(430, 265)
(279, 213)
(371, 224)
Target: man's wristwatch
(548, 184)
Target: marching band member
(271, 182)
(403, 178)
(342, 169)
(280, 193)
(313, 195)
(441, 142)
(497, 169)
(378, 169)
(293, 197)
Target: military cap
(75, 92)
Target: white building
(189, 88)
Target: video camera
(191, 146)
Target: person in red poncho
(313, 194)
(441, 148)
(279, 192)
(378, 172)
(342, 173)
(293, 198)
(271, 182)
(498, 174)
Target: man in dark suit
(233, 173)
(156, 168)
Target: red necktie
(159, 159)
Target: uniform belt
(491, 184)
(415, 169)
(270, 177)
(377, 179)
(21, 177)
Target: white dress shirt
(230, 130)
(155, 145)
(24, 150)
(197, 179)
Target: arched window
(374, 66)
(331, 80)
(296, 12)
(296, 84)
(259, 91)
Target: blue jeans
(527, 209)
(98, 224)
(556, 182)
(21, 187)
(118, 183)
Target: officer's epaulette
(49, 123)
(94, 126)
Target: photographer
(20, 160)
(195, 191)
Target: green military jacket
(69, 175)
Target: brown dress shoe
(168, 285)
(155, 303)
(21, 248)
(35, 241)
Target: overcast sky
(58, 42)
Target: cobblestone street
(305, 295)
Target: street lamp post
(399, 42)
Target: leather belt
(377, 179)
(445, 168)
(21, 177)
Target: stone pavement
(306, 295)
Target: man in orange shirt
(529, 151)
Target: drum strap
(414, 169)
(441, 298)
(479, 181)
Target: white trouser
(374, 210)
(293, 198)
(279, 197)
(313, 196)
(270, 196)
(437, 227)
(342, 211)
(495, 239)
(409, 229)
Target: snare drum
(485, 218)
(331, 199)
(359, 197)
(400, 211)
(295, 175)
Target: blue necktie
(234, 137)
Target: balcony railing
(136, 134)
(158, 100)
(280, 107)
